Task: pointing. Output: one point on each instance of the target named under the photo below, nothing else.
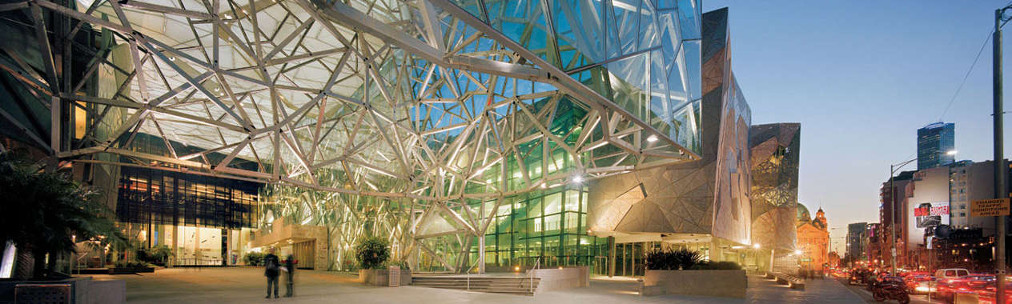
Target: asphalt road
(862, 291)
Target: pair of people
(273, 269)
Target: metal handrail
(78, 263)
(537, 265)
(467, 274)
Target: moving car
(919, 283)
(947, 288)
(951, 273)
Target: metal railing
(78, 263)
(467, 273)
(537, 265)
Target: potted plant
(372, 254)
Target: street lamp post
(892, 198)
(999, 158)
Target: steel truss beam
(349, 100)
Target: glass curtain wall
(547, 225)
(203, 219)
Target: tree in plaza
(372, 252)
(44, 212)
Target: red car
(919, 283)
(986, 290)
(947, 288)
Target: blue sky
(861, 77)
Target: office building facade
(857, 241)
(935, 145)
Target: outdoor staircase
(490, 284)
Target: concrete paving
(247, 285)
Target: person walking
(272, 269)
(290, 275)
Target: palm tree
(43, 211)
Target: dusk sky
(861, 77)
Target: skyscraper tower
(934, 142)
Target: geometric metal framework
(442, 106)
(710, 197)
(775, 151)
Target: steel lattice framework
(427, 103)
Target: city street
(862, 291)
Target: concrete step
(506, 285)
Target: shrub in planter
(723, 265)
(157, 255)
(131, 267)
(673, 259)
(661, 260)
(403, 265)
(372, 253)
(253, 258)
(132, 264)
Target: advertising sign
(930, 214)
(991, 207)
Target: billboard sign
(931, 214)
(991, 207)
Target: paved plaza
(246, 285)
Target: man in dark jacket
(290, 275)
(272, 269)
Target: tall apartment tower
(934, 142)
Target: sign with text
(931, 214)
(991, 207)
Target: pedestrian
(290, 275)
(272, 269)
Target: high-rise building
(970, 181)
(934, 144)
(894, 192)
(857, 237)
(875, 242)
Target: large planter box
(562, 278)
(78, 290)
(712, 283)
(130, 270)
(381, 277)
